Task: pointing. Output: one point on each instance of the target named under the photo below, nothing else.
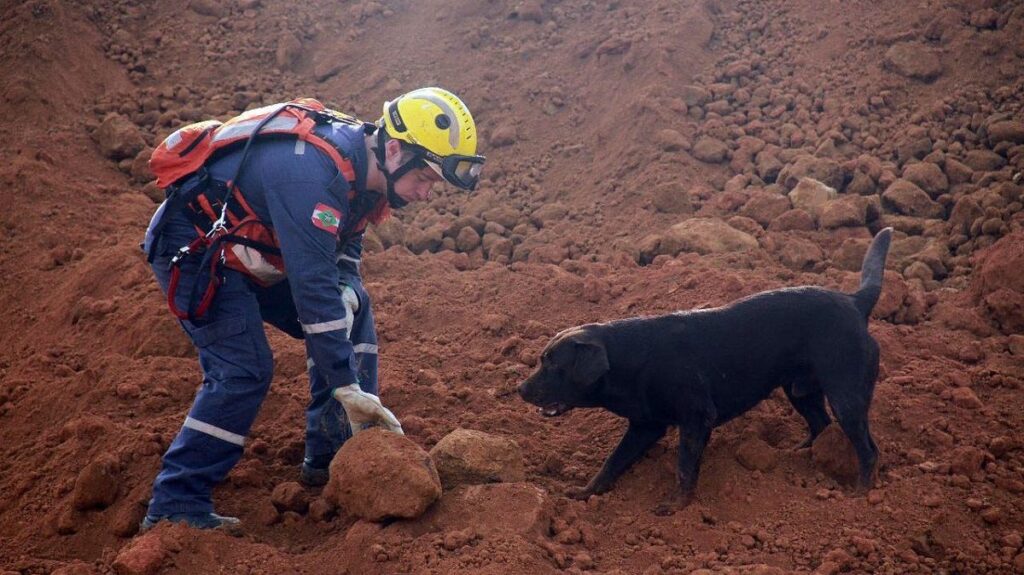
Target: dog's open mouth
(554, 409)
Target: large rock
(710, 150)
(142, 557)
(1006, 131)
(706, 236)
(999, 282)
(763, 207)
(466, 456)
(811, 195)
(756, 455)
(904, 197)
(97, 484)
(928, 177)
(984, 160)
(913, 60)
(846, 211)
(798, 253)
(378, 474)
(118, 138)
(824, 170)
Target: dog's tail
(871, 272)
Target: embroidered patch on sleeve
(326, 218)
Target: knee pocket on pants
(216, 331)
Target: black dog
(700, 369)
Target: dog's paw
(666, 509)
(578, 494)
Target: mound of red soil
(627, 143)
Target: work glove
(365, 409)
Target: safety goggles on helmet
(460, 171)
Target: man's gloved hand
(365, 408)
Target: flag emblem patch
(326, 218)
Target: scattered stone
(965, 397)
(207, 8)
(710, 150)
(705, 236)
(669, 198)
(119, 138)
(504, 135)
(491, 510)
(97, 484)
(967, 460)
(906, 198)
(913, 60)
(467, 240)
(756, 455)
(799, 254)
(1006, 131)
(795, 219)
(763, 207)
(846, 211)
(142, 556)
(984, 160)
(466, 456)
(290, 496)
(289, 49)
(378, 474)
(811, 195)
(670, 140)
(321, 509)
(823, 170)
(928, 177)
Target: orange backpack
(230, 233)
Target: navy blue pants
(237, 366)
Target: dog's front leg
(638, 438)
(691, 448)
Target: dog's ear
(591, 362)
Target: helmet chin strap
(394, 200)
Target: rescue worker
(313, 195)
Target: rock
(290, 496)
(428, 240)
(763, 207)
(265, 513)
(694, 95)
(795, 219)
(493, 510)
(467, 240)
(984, 160)
(140, 171)
(320, 509)
(824, 170)
(846, 211)
(965, 212)
(861, 184)
(706, 236)
(913, 60)
(967, 460)
(670, 140)
(327, 65)
(504, 135)
(1006, 131)
(833, 454)
(466, 456)
(119, 138)
(670, 198)
(850, 254)
(142, 556)
(799, 254)
(986, 18)
(906, 198)
(208, 8)
(391, 232)
(710, 150)
(928, 177)
(76, 568)
(998, 281)
(958, 172)
(965, 397)
(756, 455)
(97, 484)
(378, 474)
(547, 213)
(289, 49)
(811, 195)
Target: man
(292, 201)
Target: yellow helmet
(437, 126)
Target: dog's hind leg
(638, 438)
(811, 406)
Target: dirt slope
(605, 124)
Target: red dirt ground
(605, 123)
